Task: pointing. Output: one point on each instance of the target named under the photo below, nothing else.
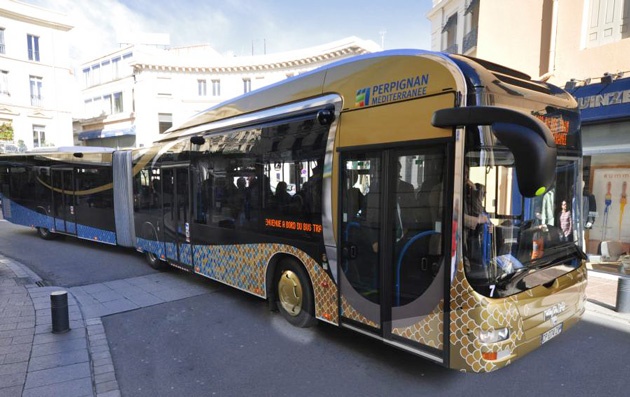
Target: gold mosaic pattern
(244, 266)
(428, 331)
(470, 313)
(349, 312)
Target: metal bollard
(623, 295)
(59, 312)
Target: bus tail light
(489, 356)
(494, 336)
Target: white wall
(53, 67)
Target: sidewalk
(36, 362)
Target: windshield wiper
(546, 262)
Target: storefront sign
(601, 102)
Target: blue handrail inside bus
(402, 254)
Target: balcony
(452, 49)
(470, 41)
(37, 101)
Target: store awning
(451, 21)
(603, 102)
(471, 6)
(106, 133)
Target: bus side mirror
(529, 140)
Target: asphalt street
(69, 261)
(227, 343)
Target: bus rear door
(64, 200)
(176, 215)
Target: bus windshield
(512, 243)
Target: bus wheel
(156, 262)
(45, 233)
(294, 294)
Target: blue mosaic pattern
(185, 254)
(21, 215)
(59, 225)
(171, 250)
(152, 246)
(92, 233)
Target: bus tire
(294, 295)
(45, 233)
(155, 262)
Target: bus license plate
(552, 333)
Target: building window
(164, 86)
(127, 56)
(107, 104)
(166, 121)
(4, 83)
(86, 77)
(36, 91)
(96, 74)
(608, 21)
(33, 47)
(201, 88)
(115, 68)
(39, 136)
(216, 87)
(449, 34)
(247, 85)
(2, 41)
(118, 103)
(106, 71)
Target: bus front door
(175, 210)
(392, 273)
(64, 200)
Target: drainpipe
(552, 41)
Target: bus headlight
(494, 336)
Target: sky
(230, 26)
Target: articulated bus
(411, 196)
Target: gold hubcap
(290, 292)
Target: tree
(6, 132)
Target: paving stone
(58, 360)
(22, 339)
(99, 349)
(94, 321)
(10, 391)
(57, 375)
(13, 332)
(98, 356)
(102, 361)
(106, 296)
(121, 305)
(49, 338)
(15, 348)
(100, 342)
(6, 369)
(12, 379)
(94, 288)
(106, 386)
(118, 284)
(103, 369)
(17, 357)
(106, 377)
(60, 346)
(5, 341)
(72, 388)
(114, 393)
(144, 299)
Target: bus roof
(430, 72)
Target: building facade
(35, 76)
(584, 46)
(133, 95)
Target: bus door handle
(350, 251)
